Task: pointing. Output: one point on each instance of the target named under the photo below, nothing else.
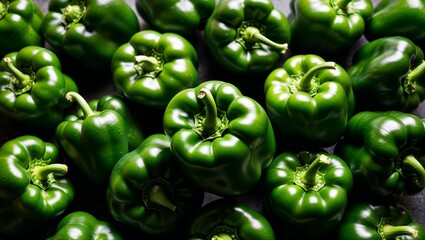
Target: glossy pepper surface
(89, 30)
(247, 35)
(326, 27)
(307, 190)
(177, 16)
(152, 67)
(309, 100)
(94, 141)
(390, 73)
(228, 218)
(383, 220)
(222, 139)
(33, 87)
(83, 225)
(148, 191)
(385, 151)
(20, 25)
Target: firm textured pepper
(327, 27)
(307, 190)
(83, 225)
(32, 180)
(94, 141)
(152, 67)
(385, 220)
(148, 191)
(89, 30)
(20, 25)
(309, 100)
(388, 74)
(228, 218)
(33, 87)
(247, 35)
(222, 139)
(183, 17)
(385, 151)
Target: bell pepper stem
(309, 176)
(392, 232)
(146, 63)
(343, 4)
(304, 84)
(72, 14)
(222, 236)
(158, 196)
(42, 172)
(252, 34)
(411, 163)
(3, 9)
(410, 80)
(22, 80)
(211, 122)
(85, 107)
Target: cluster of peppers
(323, 132)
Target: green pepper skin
(325, 27)
(168, 64)
(20, 25)
(385, 152)
(307, 190)
(32, 180)
(379, 221)
(223, 154)
(314, 112)
(89, 30)
(388, 72)
(240, 50)
(391, 16)
(83, 225)
(34, 93)
(228, 218)
(94, 141)
(148, 191)
(177, 16)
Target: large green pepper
(148, 191)
(309, 100)
(83, 225)
(152, 67)
(327, 27)
(33, 87)
(385, 151)
(94, 141)
(307, 190)
(391, 18)
(89, 30)
(388, 74)
(183, 17)
(229, 219)
(31, 180)
(378, 221)
(247, 35)
(222, 139)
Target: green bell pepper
(149, 192)
(247, 35)
(389, 73)
(33, 86)
(222, 139)
(83, 225)
(385, 151)
(20, 25)
(94, 141)
(89, 30)
(182, 17)
(379, 221)
(309, 100)
(328, 28)
(32, 180)
(229, 219)
(307, 190)
(152, 67)
(391, 18)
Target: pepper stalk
(305, 83)
(253, 35)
